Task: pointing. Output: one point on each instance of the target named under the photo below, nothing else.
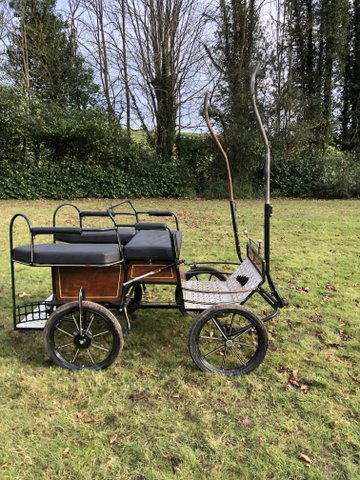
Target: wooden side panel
(101, 284)
(140, 268)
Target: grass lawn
(153, 415)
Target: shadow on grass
(24, 348)
(159, 338)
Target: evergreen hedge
(71, 179)
(310, 173)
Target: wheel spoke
(91, 357)
(241, 331)
(76, 354)
(66, 333)
(224, 358)
(216, 350)
(211, 276)
(91, 322)
(238, 357)
(231, 324)
(208, 337)
(65, 345)
(100, 348)
(101, 333)
(76, 324)
(219, 328)
(244, 344)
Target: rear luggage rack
(33, 316)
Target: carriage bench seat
(153, 245)
(96, 236)
(142, 245)
(87, 254)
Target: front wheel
(228, 339)
(83, 337)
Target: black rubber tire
(226, 336)
(64, 324)
(204, 270)
(138, 293)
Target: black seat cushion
(152, 245)
(96, 236)
(69, 254)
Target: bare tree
(117, 13)
(148, 57)
(95, 42)
(166, 54)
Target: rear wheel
(86, 337)
(205, 274)
(135, 295)
(228, 339)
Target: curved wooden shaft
(220, 147)
(231, 190)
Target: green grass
(153, 415)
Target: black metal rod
(271, 315)
(13, 292)
(267, 216)
(66, 204)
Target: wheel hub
(83, 341)
(229, 342)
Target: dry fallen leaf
(175, 395)
(138, 396)
(300, 289)
(113, 439)
(294, 378)
(84, 418)
(246, 420)
(304, 458)
(66, 452)
(23, 295)
(294, 381)
(327, 298)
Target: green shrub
(311, 173)
(49, 152)
(341, 175)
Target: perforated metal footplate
(202, 295)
